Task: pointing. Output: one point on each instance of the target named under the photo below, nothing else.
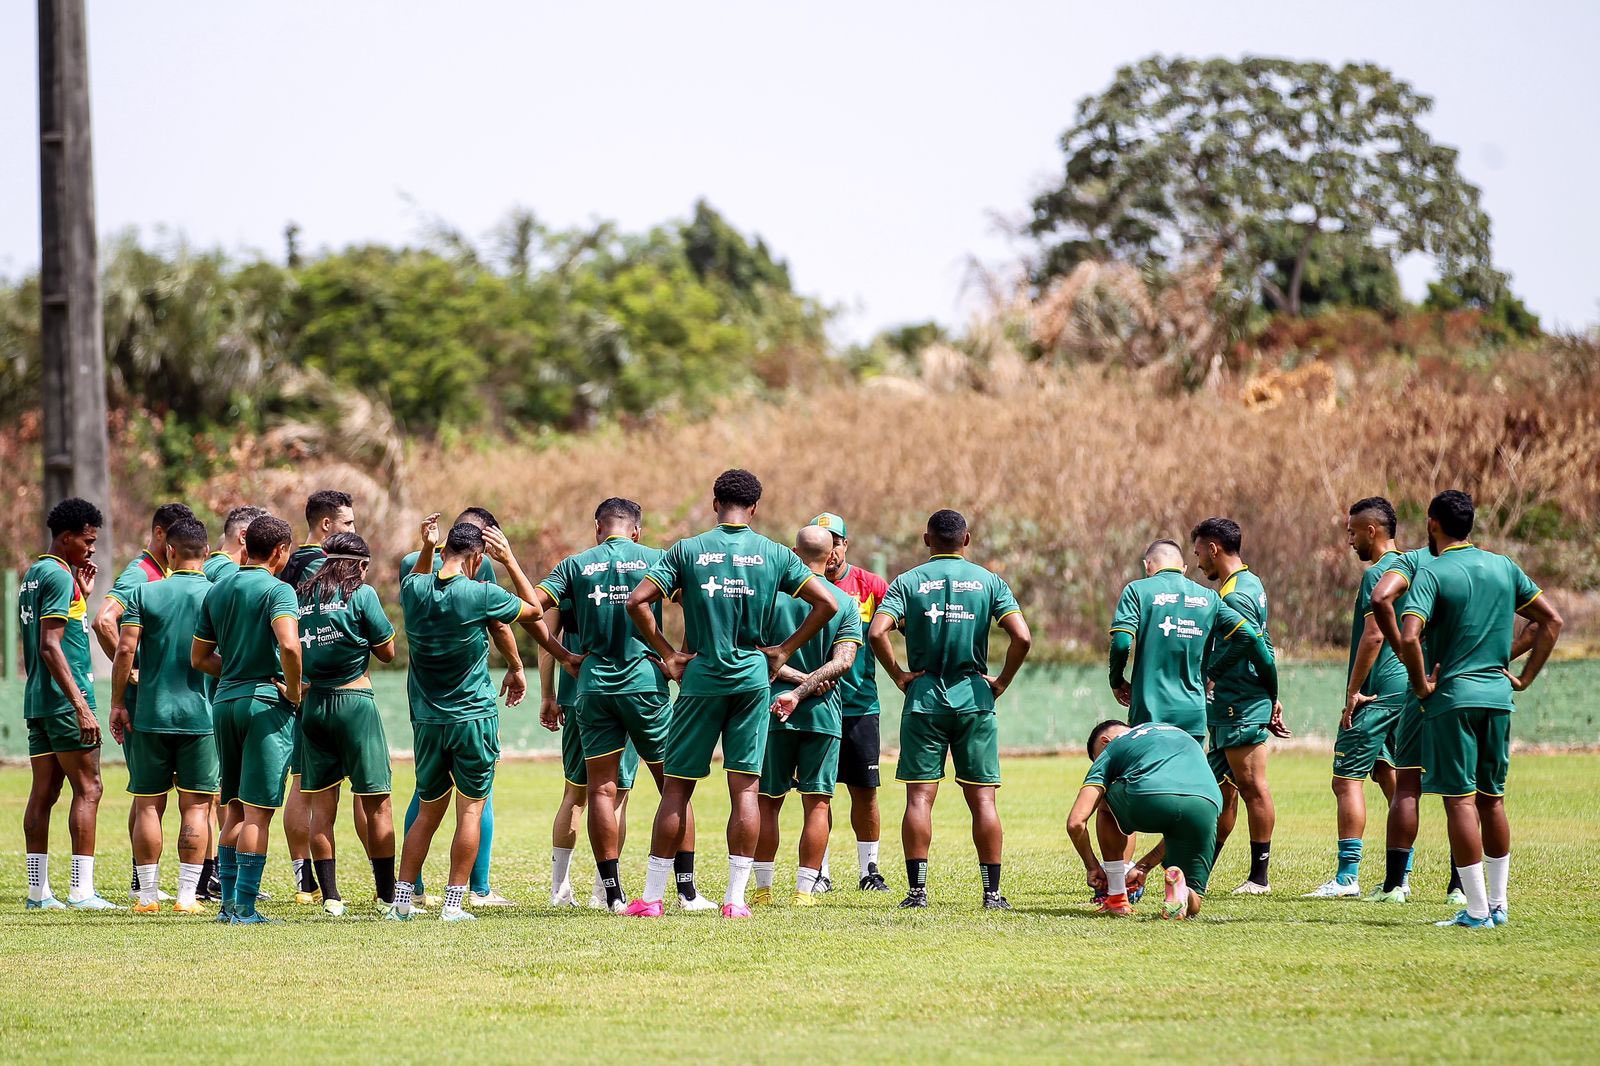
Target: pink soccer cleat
(644, 908)
(735, 910)
(1176, 905)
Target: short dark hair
(1162, 543)
(1101, 729)
(74, 515)
(738, 487)
(464, 537)
(167, 514)
(240, 518)
(617, 509)
(947, 528)
(481, 514)
(1225, 531)
(1380, 508)
(266, 535)
(1453, 510)
(188, 537)
(325, 503)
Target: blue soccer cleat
(1498, 915)
(1466, 921)
(49, 903)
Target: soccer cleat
(225, 915)
(804, 899)
(456, 914)
(1334, 890)
(255, 919)
(735, 910)
(1135, 895)
(306, 899)
(261, 897)
(333, 908)
(994, 901)
(492, 898)
(93, 903)
(161, 895)
(643, 908)
(147, 908)
(824, 884)
(597, 902)
(1499, 915)
(872, 880)
(563, 896)
(189, 908)
(1116, 906)
(1250, 888)
(1393, 895)
(425, 903)
(761, 897)
(1176, 904)
(1457, 898)
(698, 903)
(49, 903)
(392, 914)
(210, 891)
(1467, 921)
(916, 899)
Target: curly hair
(73, 515)
(738, 487)
(344, 571)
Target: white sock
(1497, 871)
(806, 880)
(657, 873)
(82, 878)
(453, 895)
(739, 867)
(188, 881)
(560, 868)
(38, 876)
(1116, 877)
(824, 868)
(299, 866)
(1472, 884)
(866, 855)
(763, 872)
(149, 877)
(402, 895)
(599, 886)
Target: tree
(1258, 157)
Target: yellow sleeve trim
(130, 625)
(849, 640)
(63, 617)
(1008, 614)
(1235, 629)
(1123, 629)
(656, 582)
(802, 585)
(387, 640)
(1535, 596)
(1094, 784)
(552, 592)
(1415, 614)
(203, 640)
(120, 602)
(295, 616)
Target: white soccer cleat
(488, 899)
(597, 902)
(563, 896)
(619, 907)
(1250, 888)
(1334, 890)
(699, 903)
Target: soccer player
(803, 744)
(480, 892)
(730, 578)
(1239, 713)
(343, 627)
(151, 565)
(1465, 603)
(1368, 742)
(945, 607)
(455, 717)
(169, 738)
(328, 511)
(859, 741)
(249, 638)
(58, 704)
(617, 707)
(1153, 779)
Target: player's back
(817, 713)
(1170, 619)
(174, 696)
(447, 638)
(592, 589)
(218, 566)
(1238, 683)
(1468, 599)
(1155, 759)
(338, 633)
(945, 608)
(237, 617)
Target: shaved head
(1164, 553)
(812, 544)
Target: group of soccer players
(241, 679)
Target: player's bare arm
(1083, 808)
(1015, 627)
(1367, 653)
(644, 595)
(1388, 589)
(287, 632)
(55, 661)
(883, 651)
(550, 715)
(430, 543)
(1410, 651)
(121, 675)
(1546, 631)
(818, 681)
(204, 657)
(822, 609)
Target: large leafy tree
(1281, 164)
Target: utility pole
(76, 451)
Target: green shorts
(798, 759)
(1188, 828)
(456, 754)
(255, 738)
(971, 739)
(158, 761)
(1225, 735)
(573, 767)
(738, 720)
(56, 732)
(1402, 748)
(1466, 750)
(608, 722)
(297, 757)
(341, 735)
(1356, 749)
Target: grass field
(1264, 979)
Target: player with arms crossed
(729, 578)
(945, 608)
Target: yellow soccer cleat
(761, 897)
(190, 908)
(307, 899)
(804, 899)
(147, 908)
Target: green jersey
(173, 695)
(237, 617)
(337, 635)
(817, 714)
(945, 607)
(1468, 601)
(50, 591)
(591, 590)
(1387, 678)
(1151, 760)
(730, 579)
(219, 565)
(447, 623)
(303, 562)
(142, 570)
(1172, 621)
(1236, 683)
(485, 568)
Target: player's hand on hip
(293, 699)
(1429, 686)
(1517, 684)
(776, 657)
(995, 686)
(906, 678)
(573, 663)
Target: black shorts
(858, 751)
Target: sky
(873, 144)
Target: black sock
(383, 878)
(917, 874)
(1455, 878)
(133, 885)
(1260, 855)
(991, 877)
(308, 877)
(330, 884)
(611, 878)
(208, 873)
(1394, 871)
(683, 870)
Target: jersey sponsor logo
(1196, 601)
(622, 566)
(733, 586)
(591, 569)
(1184, 627)
(27, 614)
(611, 594)
(949, 612)
(749, 560)
(930, 586)
(628, 565)
(1163, 599)
(333, 606)
(707, 558)
(966, 586)
(320, 637)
